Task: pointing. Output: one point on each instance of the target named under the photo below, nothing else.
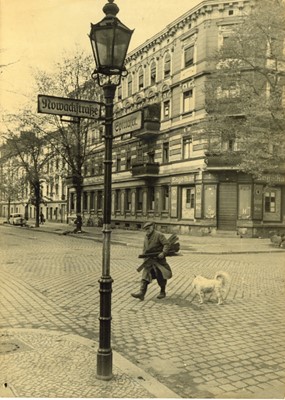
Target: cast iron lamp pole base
(104, 354)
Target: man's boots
(140, 295)
(162, 293)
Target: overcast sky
(36, 32)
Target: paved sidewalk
(215, 244)
(39, 363)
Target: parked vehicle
(17, 219)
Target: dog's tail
(223, 276)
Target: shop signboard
(128, 123)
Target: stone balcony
(145, 169)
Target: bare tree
(244, 92)
(66, 138)
(30, 153)
(11, 180)
(71, 79)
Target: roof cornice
(203, 8)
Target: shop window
(151, 198)
(139, 199)
(165, 198)
(92, 203)
(188, 103)
(152, 73)
(188, 202)
(117, 200)
(128, 199)
(190, 198)
(85, 200)
(270, 202)
(165, 152)
(187, 147)
(100, 200)
(72, 201)
(189, 56)
(245, 195)
(167, 65)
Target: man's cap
(147, 224)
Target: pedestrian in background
(42, 218)
(155, 266)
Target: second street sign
(69, 107)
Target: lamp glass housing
(110, 41)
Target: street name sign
(69, 107)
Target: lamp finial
(111, 9)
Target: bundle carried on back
(174, 247)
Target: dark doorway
(227, 206)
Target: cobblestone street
(49, 283)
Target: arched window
(140, 79)
(153, 73)
(167, 65)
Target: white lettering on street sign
(69, 107)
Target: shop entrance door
(188, 202)
(227, 206)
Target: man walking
(155, 265)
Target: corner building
(160, 171)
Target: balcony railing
(145, 169)
(221, 160)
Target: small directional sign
(69, 107)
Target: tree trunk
(37, 189)
(9, 208)
(78, 188)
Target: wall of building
(169, 180)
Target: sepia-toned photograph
(142, 199)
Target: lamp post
(110, 41)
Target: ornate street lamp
(110, 41)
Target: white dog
(204, 285)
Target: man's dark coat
(155, 243)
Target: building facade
(160, 168)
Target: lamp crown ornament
(111, 9)
(110, 40)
